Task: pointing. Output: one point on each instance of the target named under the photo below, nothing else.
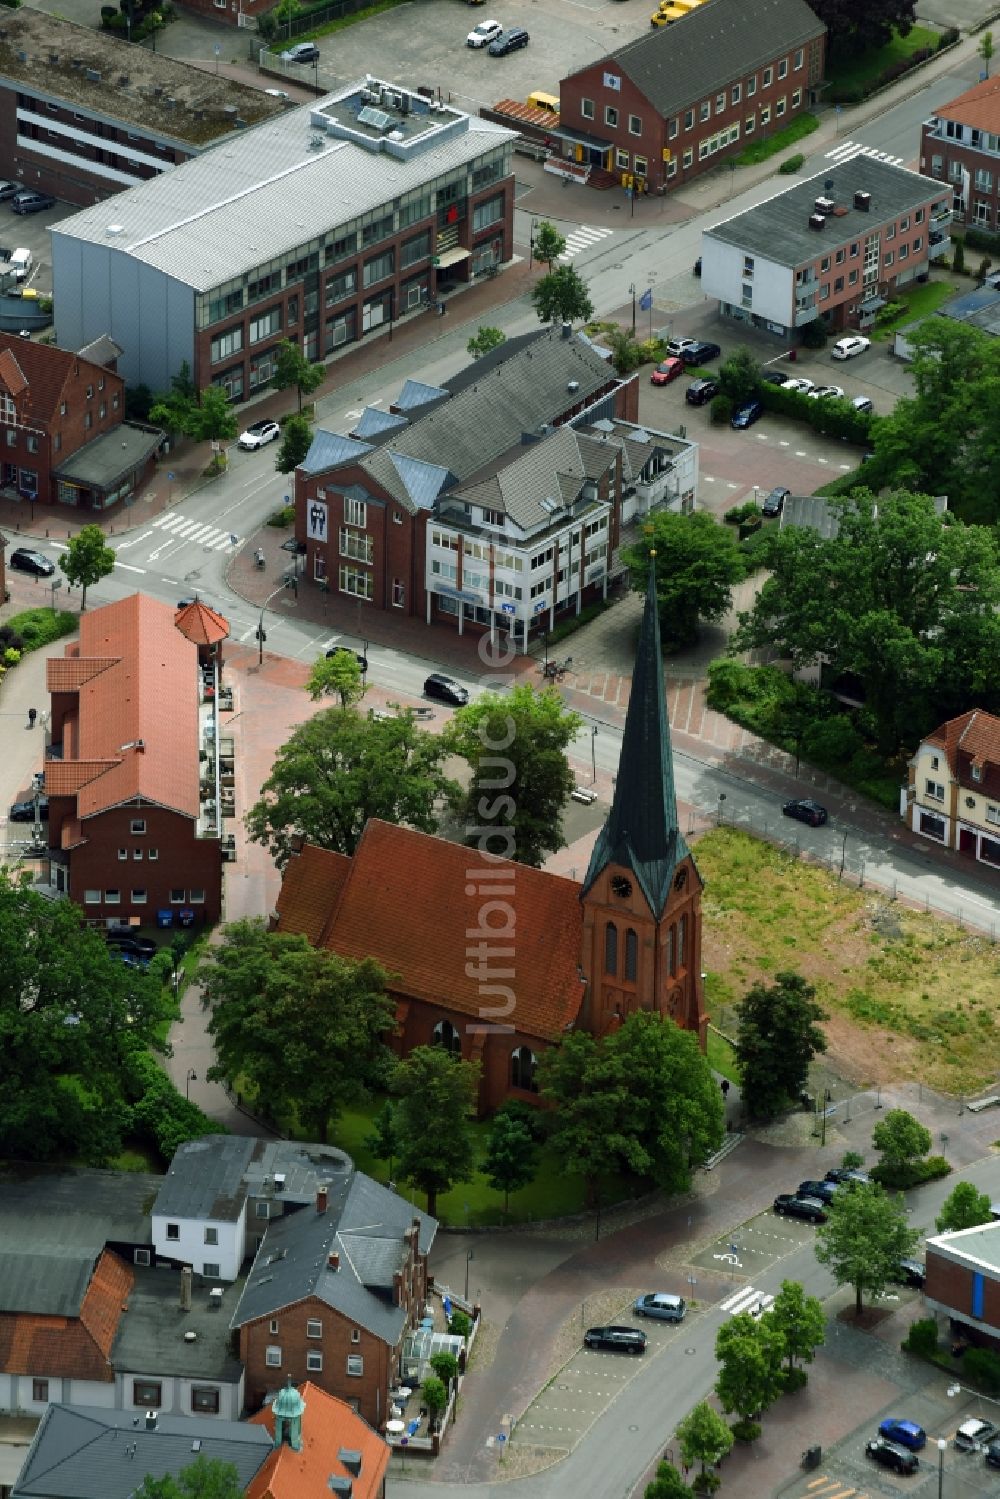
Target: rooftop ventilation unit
(824, 205)
(215, 1298)
(863, 201)
(315, 143)
(377, 119)
(816, 221)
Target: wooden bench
(983, 1103)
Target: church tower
(642, 895)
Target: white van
(20, 263)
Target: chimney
(333, 1260)
(816, 221)
(186, 1274)
(397, 1288)
(321, 1197)
(150, 1420)
(350, 1459)
(863, 201)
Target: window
(672, 129)
(688, 157)
(622, 160)
(447, 1037)
(720, 103)
(611, 948)
(783, 68)
(355, 1334)
(264, 326)
(272, 1326)
(177, 895)
(141, 1257)
(689, 119)
(357, 545)
(610, 115)
(797, 98)
(112, 897)
(852, 279)
(261, 1210)
(750, 124)
(631, 956)
(768, 76)
(39, 1390)
(824, 293)
(824, 264)
(92, 897)
(890, 232)
(751, 85)
(272, 1357)
(840, 256)
(918, 217)
(152, 853)
(123, 853)
(378, 268)
(210, 1270)
(355, 512)
(205, 1399)
(672, 167)
(838, 285)
(147, 1392)
(377, 229)
(211, 1236)
(139, 896)
(765, 114)
(485, 215)
(522, 1069)
(634, 125)
(748, 265)
(137, 826)
(90, 392)
(398, 593)
(918, 244)
(640, 166)
(355, 1365)
(977, 772)
(173, 1230)
(779, 108)
(904, 251)
(416, 249)
(671, 965)
(314, 1327)
(935, 763)
(136, 855)
(681, 936)
(587, 108)
(904, 223)
(339, 287)
(934, 789)
(314, 1361)
(227, 343)
(737, 94)
(88, 420)
(932, 826)
(704, 110)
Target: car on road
(700, 353)
(744, 416)
(662, 1306)
(483, 34)
(258, 434)
(847, 1174)
(508, 41)
(615, 1339)
(862, 403)
(910, 1273)
(846, 348)
(975, 1433)
(891, 1456)
(445, 689)
(666, 371)
(10, 190)
(301, 52)
(344, 650)
(822, 1191)
(676, 346)
(25, 811)
(31, 202)
(903, 1433)
(774, 502)
(24, 560)
(127, 938)
(700, 392)
(993, 1454)
(827, 393)
(804, 809)
(798, 382)
(791, 1205)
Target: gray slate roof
(364, 1223)
(416, 393)
(554, 470)
(376, 423)
(73, 1212)
(778, 229)
(57, 1290)
(110, 456)
(212, 1177)
(83, 1452)
(814, 513)
(674, 66)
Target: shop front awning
(452, 257)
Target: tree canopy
(703, 1437)
(561, 296)
(511, 1156)
(292, 370)
(305, 1028)
(549, 244)
(339, 769)
(855, 26)
(749, 1353)
(296, 440)
(697, 563)
(437, 1095)
(800, 1320)
(964, 1207)
(87, 559)
(483, 340)
(777, 1037)
(205, 1478)
(864, 1238)
(900, 1139)
(515, 744)
(338, 675)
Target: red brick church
(495, 960)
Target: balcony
(938, 245)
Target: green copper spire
(641, 833)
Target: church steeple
(641, 833)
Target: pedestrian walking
(32, 715)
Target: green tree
(515, 744)
(703, 1437)
(864, 1238)
(437, 1094)
(561, 296)
(292, 370)
(985, 49)
(697, 563)
(668, 1484)
(338, 675)
(958, 257)
(801, 1321)
(172, 409)
(435, 1397)
(856, 26)
(511, 1157)
(87, 559)
(591, 1132)
(277, 1004)
(296, 440)
(739, 376)
(626, 353)
(339, 769)
(777, 1037)
(205, 1478)
(445, 1366)
(484, 340)
(383, 1142)
(549, 244)
(749, 1355)
(213, 419)
(964, 1207)
(900, 1140)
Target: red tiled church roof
(329, 1426)
(405, 898)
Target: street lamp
(942, 1447)
(531, 244)
(192, 1077)
(722, 797)
(632, 295)
(593, 756)
(469, 1257)
(261, 637)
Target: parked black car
(772, 377)
(24, 560)
(616, 1339)
(911, 1273)
(805, 810)
(25, 811)
(508, 41)
(700, 392)
(790, 1205)
(823, 1191)
(847, 1174)
(446, 689)
(774, 503)
(31, 202)
(700, 353)
(891, 1456)
(343, 650)
(993, 1455)
(127, 940)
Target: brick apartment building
(84, 115)
(67, 442)
(128, 835)
(963, 1282)
(674, 103)
(322, 226)
(960, 144)
(835, 247)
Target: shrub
(982, 1367)
(979, 239)
(160, 1113)
(739, 513)
(535, 1121)
(746, 1431)
(814, 334)
(949, 36)
(39, 627)
(958, 258)
(460, 1324)
(901, 1177)
(922, 1338)
(791, 164)
(794, 1379)
(721, 409)
(984, 268)
(283, 517)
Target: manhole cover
(689, 1350)
(633, 1428)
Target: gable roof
(42, 371)
(673, 66)
(331, 1432)
(85, 1452)
(77, 1344)
(404, 885)
(310, 888)
(972, 737)
(212, 1177)
(542, 479)
(136, 679)
(978, 107)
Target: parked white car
(846, 348)
(827, 392)
(798, 382)
(483, 34)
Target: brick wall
(952, 1285)
(183, 862)
(939, 156)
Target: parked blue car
(903, 1433)
(745, 415)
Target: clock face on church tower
(621, 887)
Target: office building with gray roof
(324, 225)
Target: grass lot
(859, 73)
(553, 1194)
(921, 301)
(804, 125)
(909, 995)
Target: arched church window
(682, 926)
(447, 1036)
(611, 948)
(671, 959)
(631, 956)
(522, 1069)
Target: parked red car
(670, 369)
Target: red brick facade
(960, 145)
(952, 1286)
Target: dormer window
(977, 772)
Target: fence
(308, 20)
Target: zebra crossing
(747, 1300)
(847, 150)
(582, 239)
(184, 528)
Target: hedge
(830, 417)
(912, 1174)
(792, 164)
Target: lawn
(909, 995)
(859, 73)
(554, 1193)
(768, 146)
(921, 300)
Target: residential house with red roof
(67, 441)
(495, 960)
(960, 144)
(321, 1447)
(131, 832)
(953, 790)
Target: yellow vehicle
(549, 102)
(666, 14)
